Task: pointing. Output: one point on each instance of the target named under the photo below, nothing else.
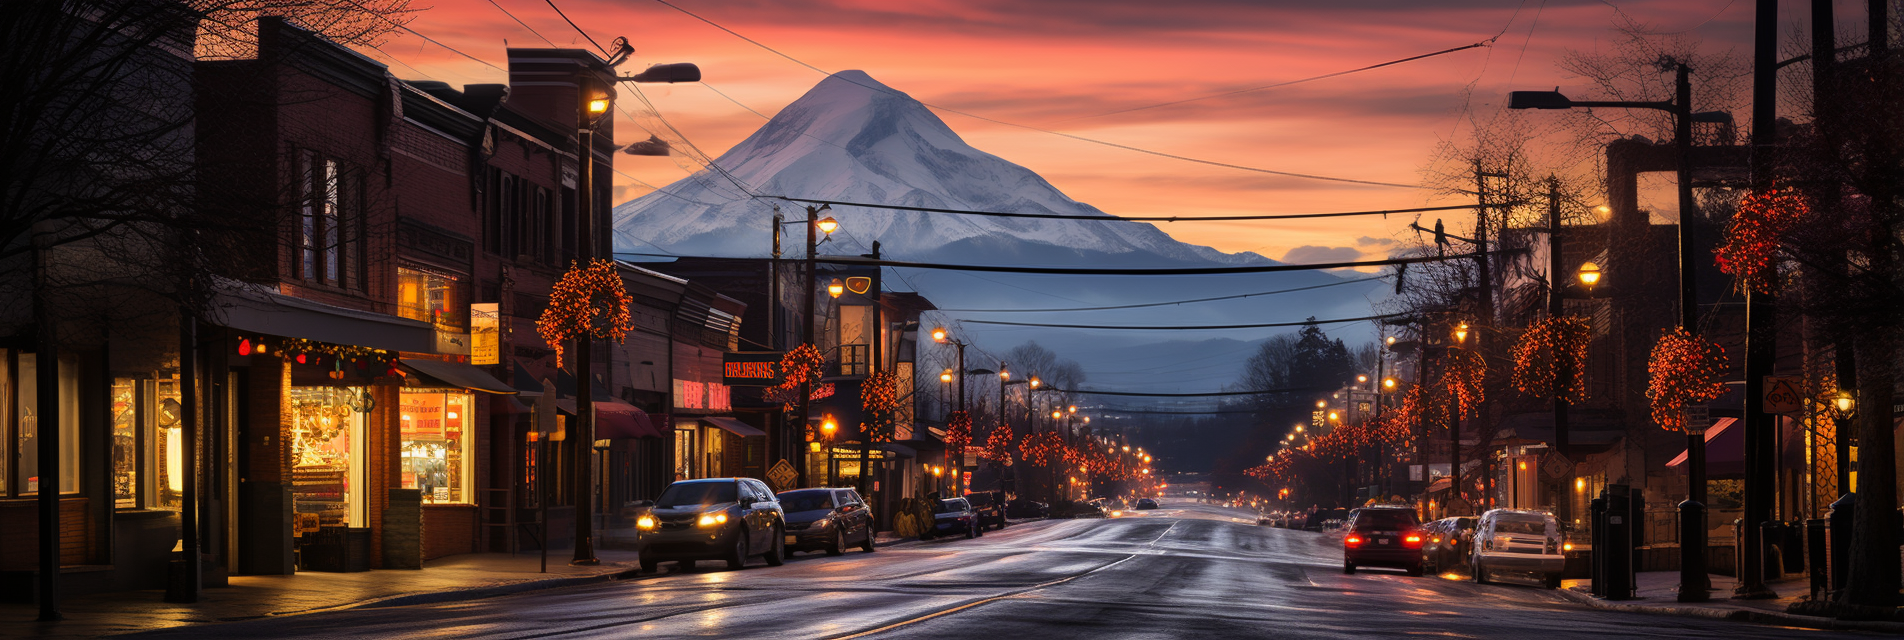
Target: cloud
(1312, 254)
(1366, 241)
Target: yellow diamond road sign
(1782, 395)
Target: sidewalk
(462, 577)
(1658, 593)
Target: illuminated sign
(689, 394)
(750, 368)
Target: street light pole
(1556, 307)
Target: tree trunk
(1874, 577)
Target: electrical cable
(1213, 327)
(1047, 131)
(1175, 302)
(1172, 413)
(1188, 271)
(525, 25)
(1145, 394)
(578, 28)
(1111, 218)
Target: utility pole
(1556, 307)
(778, 434)
(581, 439)
(866, 434)
(1761, 316)
(1824, 62)
(806, 338)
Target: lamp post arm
(1663, 105)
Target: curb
(1738, 615)
(478, 593)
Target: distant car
(990, 506)
(1022, 508)
(1446, 545)
(729, 519)
(1146, 503)
(1382, 537)
(1516, 541)
(1318, 521)
(953, 515)
(826, 520)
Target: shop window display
(327, 456)
(23, 472)
(147, 440)
(435, 445)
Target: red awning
(615, 420)
(1725, 449)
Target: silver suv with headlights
(728, 519)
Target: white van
(1516, 541)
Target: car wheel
(838, 546)
(685, 565)
(867, 544)
(648, 565)
(979, 525)
(1415, 570)
(971, 531)
(1480, 573)
(737, 556)
(1001, 522)
(776, 554)
(1348, 568)
(1553, 581)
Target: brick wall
(402, 534)
(20, 534)
(448, 530)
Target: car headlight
(713, 519)
(822, 523)
(645, 523)
(1115, 514)
(1567, 546)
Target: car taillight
(1352, 540)
(1411, 540)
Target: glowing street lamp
(1589, 275)
(828, 225)
(835, 288)
(1461, 333)
(946, 376)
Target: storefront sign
(851, 453)
(751, 368)
(485, 329)
(689, 394)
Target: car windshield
(682, 494)
(949, 506)
(1385, 519)
(1522, 525)
(806, 500)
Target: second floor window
(330, 232)
(432, 297)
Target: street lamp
(946, 376)
(1589, 275)
(941, 336)
(1843, 407)
(1693, 582)
(835, 288)
(1461, 333)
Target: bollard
(1692, 542)
(1772, 535)
(1815, 562)
(1839, 539)
(1596, 566)
(1619, 539)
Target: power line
(425, 38)
(1188, 271)
(1213, 327)
(578, 28)
(1145, 412)
(525, 25)
(1111, 218)
(1175, 302)
(1325, 76)
(1047, 131)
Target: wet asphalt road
(1184, 571)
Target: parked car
(729, 519)
(990, 506)
(1382, 537)
(1516, 541)
(1317, 520)
(1146, 503)
(1022, 508)
(826, 520)
(1446, 545)
(953, 515)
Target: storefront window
(684, 452)
(147, 444)
(25, 475)
(327, 455)
(125, 443)
(435, 445)
(432, 297)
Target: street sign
(782, 476)
(1782, 395)
(1698, 418)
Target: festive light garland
(1764, 219)
(1042, 448)
(1465, 378)
(1553, 352)
(797, 366)
(879, 398)
(589, 300)
(313, 352)
(998, 445)
(958, 433)
(1685, 369)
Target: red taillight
(1411, 540)
(1352, 540)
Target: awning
(1725, 450)
(455, 374)
(1440, 484)
(733, 426)
(615, 420)
(525, 384)
(508, 405)
(246, 308)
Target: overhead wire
(1111, 218)
(578, 28)
(1184, 271)
(1207, 394)
(1211, 327)
(1173, 302)
(1079, 138)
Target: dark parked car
(1446, 545)
(827, 520)
(1022, 508)
(990, 506)
(953, 515)
(1382, 537)
(729, 519)
(1146, 503)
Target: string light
(590, 301)
(879, 397)
(1465, 378)
(1684, 369)
(1750, 251)
(1552, 356)
(998, 445)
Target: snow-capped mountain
(853, 139)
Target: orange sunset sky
(1063, 64)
